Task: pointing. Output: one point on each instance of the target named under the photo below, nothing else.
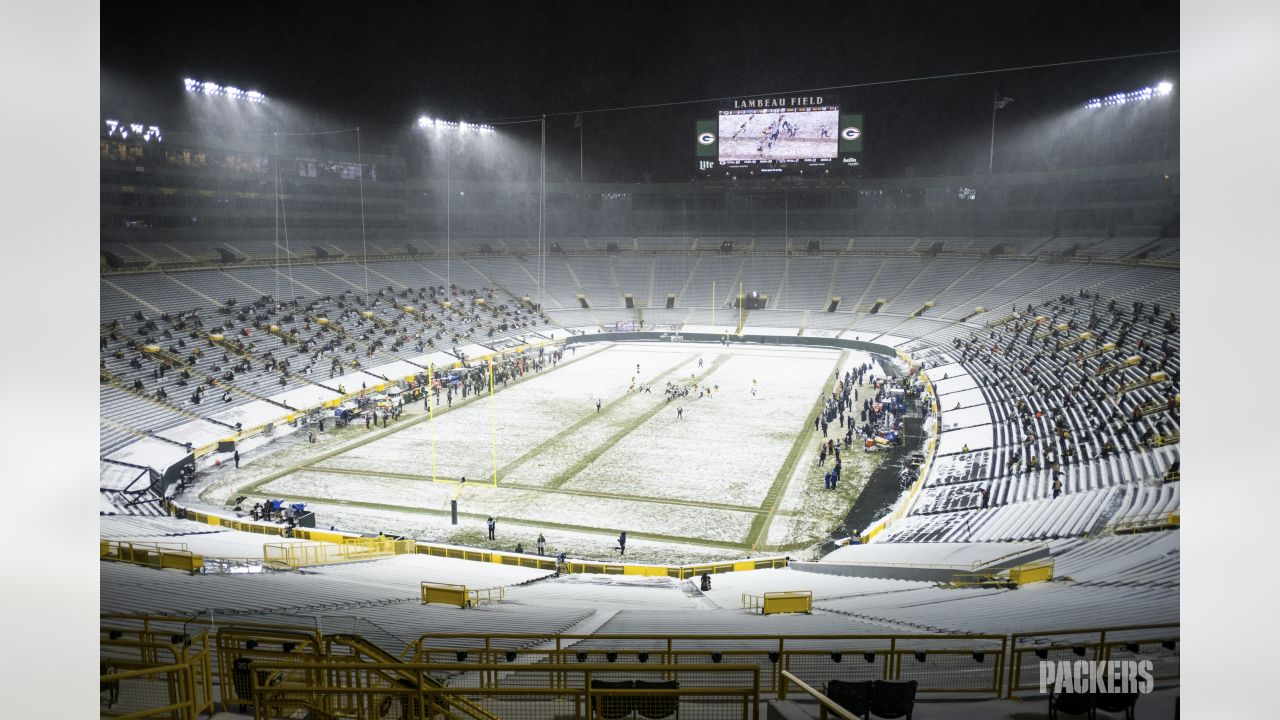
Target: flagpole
(991, 159)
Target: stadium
(856, 401)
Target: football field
(732, 474)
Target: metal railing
(144, 676)
(790, 601)
(978, 665)
(295, 555)
(1158, 643)
(826, 706)
(968, 664)
(159, 555)
(372, 691)
(460, 595)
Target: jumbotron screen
(779, 135)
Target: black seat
(893, 698)
(614, 707)
(852, 696)
(1116, 702)
(657, 707)
(1070, 703)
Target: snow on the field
(524, 415)
(522, 504)
(633, 466)
(762, 135)
(726, 449)
(585, 545)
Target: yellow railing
(145, 677)
(969, 664)
(373, 691)
(826, 706)
(460, 595)
(973, 664)
(1150, 521)
(680, 572)
(301, 554)
(165, 556)
(1155, 643)
(791, 601)
(1036, 571)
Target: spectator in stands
(519, 548)
(622, 543)
(493, 526)
(1057, 486)
(542, 544)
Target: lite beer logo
(1083, 676)
(851, 133)
(706, 138)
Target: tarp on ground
(439, 358)
(198, 432)
(150, 452)
(304, 397)
(251, 414)
(397, 370)
(121, 477)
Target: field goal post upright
(493, 428)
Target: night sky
(385, 63)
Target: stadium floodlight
(435, 123)
(1147, 93)
(212, 88)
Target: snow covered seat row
(310, 598)
(1140, 559)
(960, 488)
(404, 571)
(1148, 503)
(1030, 608)
(1065, 516)
(118, 527)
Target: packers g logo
(850, 133)
(706, 138)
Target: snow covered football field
(733, 476)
